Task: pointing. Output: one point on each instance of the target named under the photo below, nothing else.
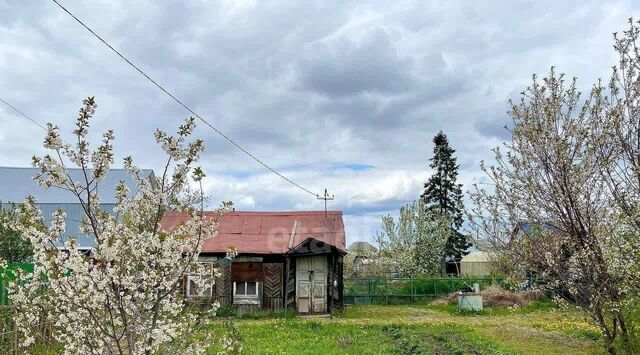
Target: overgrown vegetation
(415, 243)
(562, 211)
(123, 298)
(13, 248)
(418, 329)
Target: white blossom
(125, 296)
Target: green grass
(415, 329)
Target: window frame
(210, 286)
(252, 298)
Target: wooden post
(413, 289)
(386, 290)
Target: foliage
(443, 194)
(13, 248)
(124, 297)
(564, 207)
(415, 243)
(620, 150)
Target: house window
(246, 292)
(201, 284)
(247, 277)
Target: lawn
(417, 329)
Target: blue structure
(17, 183)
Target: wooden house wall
(223, 286)
(336, 283)
(278, 284)
(272, 287)
(290, 286)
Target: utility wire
(23, 114)
(181, 103)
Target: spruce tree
(443, 194)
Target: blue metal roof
(17, 183)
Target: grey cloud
(345, 67)
(300, 84)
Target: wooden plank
(246, 272)
(291, 286)
(272, 280)
(223, 283)
(248, 259)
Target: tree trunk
(624, 333)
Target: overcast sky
(345, 95)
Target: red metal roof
(267, 232)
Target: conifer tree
(442, 194)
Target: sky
(343, 95)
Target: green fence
(6, 275)
(392, 290)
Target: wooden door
(311, 284)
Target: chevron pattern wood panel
(272, 280)
(223, 283)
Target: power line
(181, 103)
(23, 114)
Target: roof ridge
(283, 213)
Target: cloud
(343, 67)
(342, 95)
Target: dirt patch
(344, 342)
(413, 341)
(407, 344)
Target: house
(285, 260)
(17, 183)
(362, 255)
(361, 250)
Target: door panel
(303, 285)
(311, 288)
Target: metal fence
(11, 339)
(410, 289)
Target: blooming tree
(550, 215)
(123, 296)
(415, 244)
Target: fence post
(435, 287)
(413, 289)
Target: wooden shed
(285, 260)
